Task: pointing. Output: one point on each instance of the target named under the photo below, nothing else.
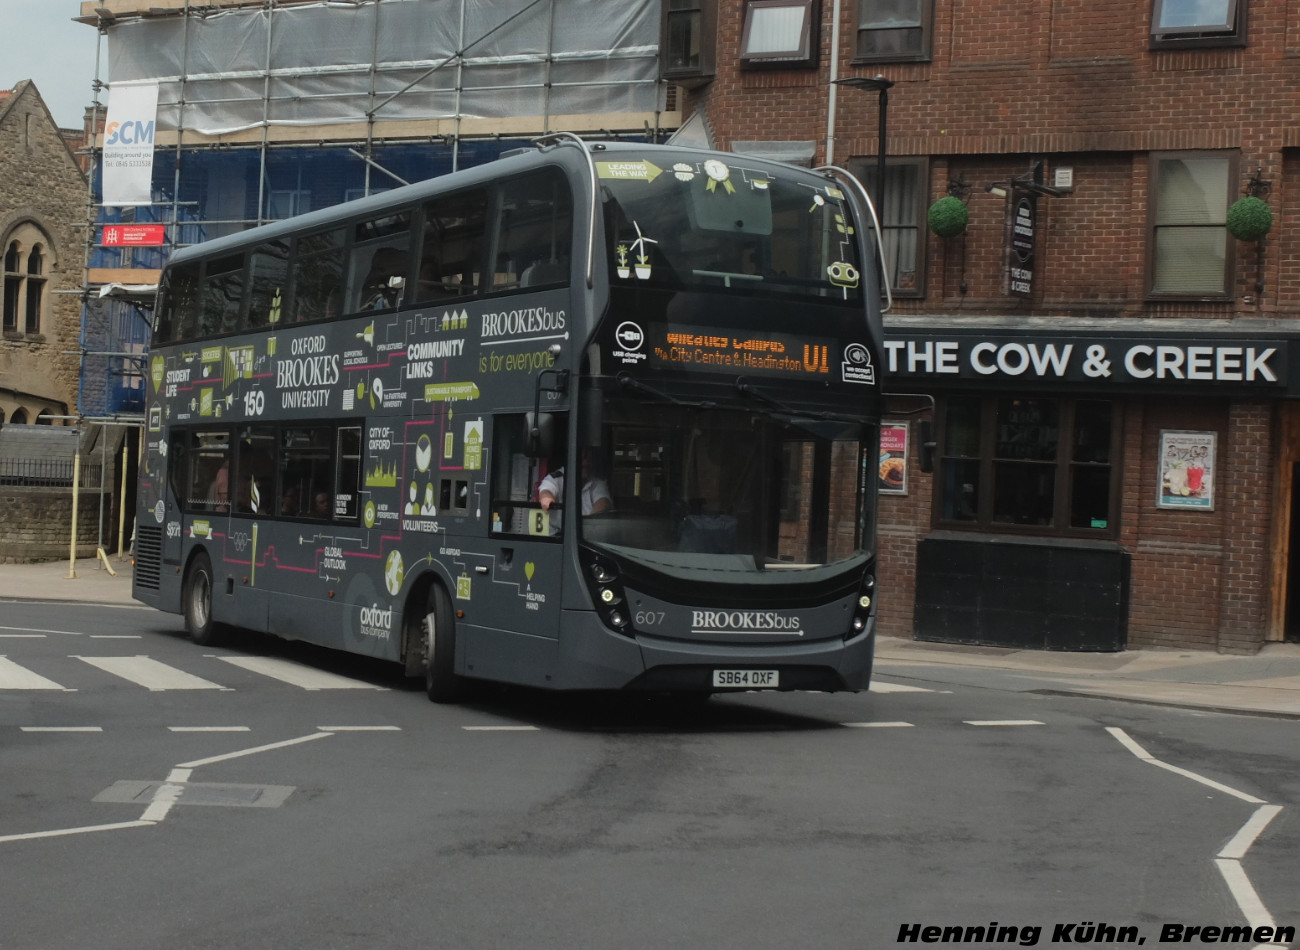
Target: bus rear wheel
(440, 680)
(199, 624)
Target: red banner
(134, 235)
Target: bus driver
(595, 491)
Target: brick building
(42, 204)
(1108, 348)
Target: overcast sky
(39, 41)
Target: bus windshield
(704, 223)
(734, 491)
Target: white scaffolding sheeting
(391, 60)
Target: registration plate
(747, 679)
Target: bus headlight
(865, 602)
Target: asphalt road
(159, 794)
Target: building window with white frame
(779, 33)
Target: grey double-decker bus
(360, 423)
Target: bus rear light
(607, 595)
(617, 619)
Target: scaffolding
(271, 108)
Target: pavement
(1266, 684)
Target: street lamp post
(881, 85)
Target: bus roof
(518, 160)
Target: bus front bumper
(595, 657)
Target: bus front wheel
(199, 624)
(440, 680)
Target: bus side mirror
(925, 448)
(541, 435)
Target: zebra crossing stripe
(148, 672)
(13, 676)
(879, 687)
(294, 674)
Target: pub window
(13, 285)
(902, 219)
(687, 29)
(536, 232)
(1183, 23)
(779, 33)
(1189, 254)
(452, 248)
(318, 276)
(1028, 464)
(894, 30)
(380, 260)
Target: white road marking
(500, 728)
(167, 795)
(69, 633)
(116, 636)
(148, 672)
(1243, 839)
(879, 687)
(253, 751)
(876, 725)
(13, 676)
(22, 636)
(359, 728)
(1252, 908)
(1228, 860)
(294, 674)
(1128, 743)
(1003, 722)
(62, 728)
(30, 836)
(208, 729)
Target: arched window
(19, 417)
(35, 289)
(13, 285)
(26, 267)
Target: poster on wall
(1187, 470)
(893, 458)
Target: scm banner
(128, 144)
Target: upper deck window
(705, 224)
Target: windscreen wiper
(750, 391)
(631, 382)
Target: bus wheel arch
(431, 635)
(414, 656)
(197, 593)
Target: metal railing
(49, 473)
